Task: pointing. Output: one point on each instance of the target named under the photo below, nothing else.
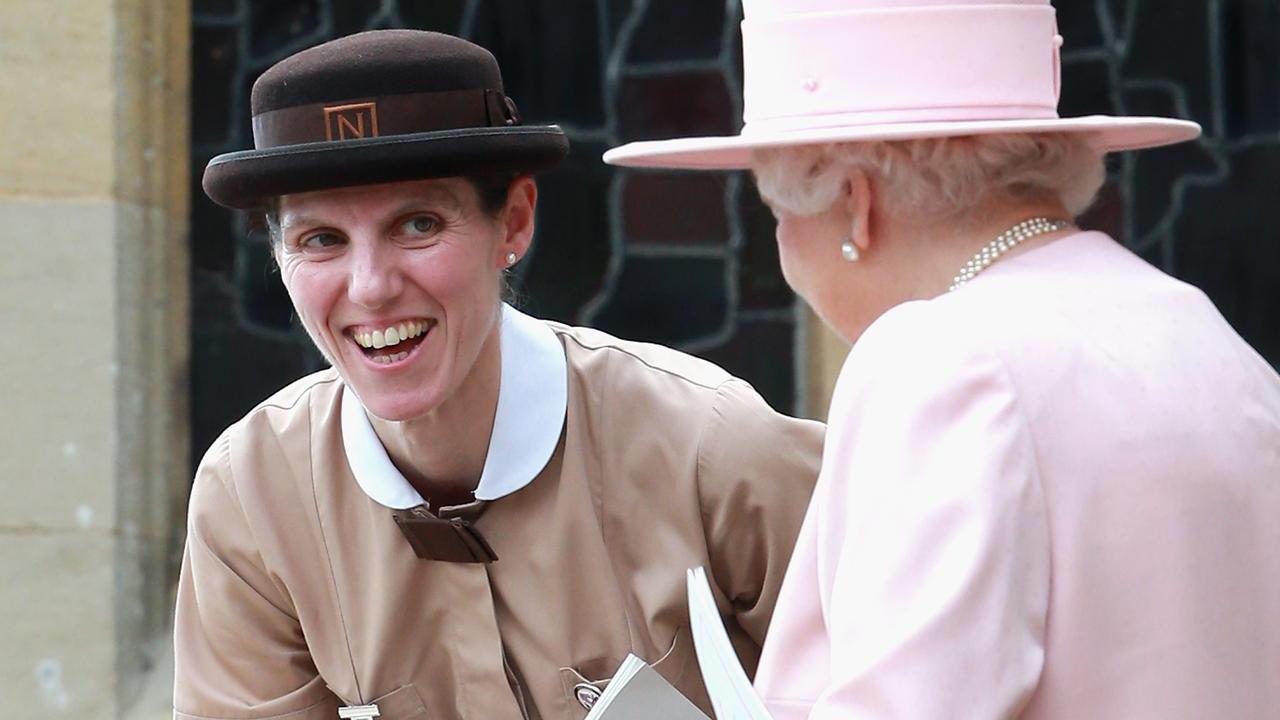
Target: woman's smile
(391, 345)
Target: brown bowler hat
(375, 107)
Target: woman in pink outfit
(1051, 484)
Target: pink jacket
(1053, 493)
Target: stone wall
(93, 331)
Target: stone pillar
(94, 335)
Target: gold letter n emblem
(347, 122)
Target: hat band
(894, 117)
(371, 117)
(904, 64)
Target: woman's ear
(857, 200)
(517, 220)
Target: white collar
(532, 400)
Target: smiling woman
(474, 513)
(362, 261)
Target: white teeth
(393, 335)
(388, 359)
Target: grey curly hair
(936, 178)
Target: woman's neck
(914, 260)
(442, 454)
(930, 256)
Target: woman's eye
(320, 241)
(419, 225)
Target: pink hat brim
(1107, 134)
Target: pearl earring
(849, 251)
(511, 259)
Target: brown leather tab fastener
(362, 118)
(501, 109)
(445, 539)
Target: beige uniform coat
(299, 594)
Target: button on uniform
(587, 694)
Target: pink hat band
(940, 63)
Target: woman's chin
(394, 405)
(397, 409)
(396, 390)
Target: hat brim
(247, 178)
(1107, 134)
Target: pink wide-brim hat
(825, 71)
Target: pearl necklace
(1007, 240)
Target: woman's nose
(375, 277)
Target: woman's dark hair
(492, 189)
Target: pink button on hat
(821, 71)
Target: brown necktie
(449, 536)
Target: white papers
(731, 693)
(638, 692)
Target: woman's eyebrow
(434, 194)
(288, 221)
(436, 200)
(431, 196)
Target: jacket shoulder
(654, 396)
(318, 385)
(590, 348)
(293, 399)
(280, 422)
